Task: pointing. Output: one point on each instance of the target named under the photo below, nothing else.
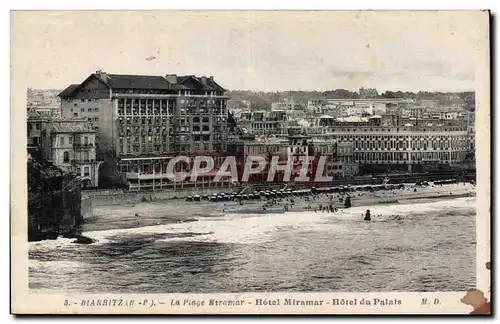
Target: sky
(251, 50)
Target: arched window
(66, 156)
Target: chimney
(204, 80)
(172, 78)
(102, 75)
(212, 78)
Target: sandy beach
(178, 211)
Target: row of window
(419, 156)
(84, 140)
(96, 109)
(364, 129)
(144, 149)
(143, 120)
(34, 126)
(268, 125)
(440, 137)
(434, 144)
(83, 100)
(66, 156)
(163, 139)
(150, 139)
(86, 171)
(145, 103)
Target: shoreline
(179, 211)
(362, 199)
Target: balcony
(83, 161)
(82, 146)
(143, 95)
(144, 176)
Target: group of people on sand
(288, 203)
(327, 209)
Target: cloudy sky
(268, 51)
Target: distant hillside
(46, 98)
(263, 100)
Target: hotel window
(96, 109)
(89, 109)
(66, 156)
(70, 140)
(96, 118)
(82, 110)
(86, 171)
(78, 171)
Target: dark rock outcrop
(80, 239)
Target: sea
(427, 245)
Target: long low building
(403, 148)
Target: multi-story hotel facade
(67, 143)
(265, 123)
(350, 107)
(141, 122)
(379, 147)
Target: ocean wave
(258, 228)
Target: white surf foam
(255, 228)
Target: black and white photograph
(209, 152)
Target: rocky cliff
(54, 200)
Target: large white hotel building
(383, 143)
(141, 122)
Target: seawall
(119, 197)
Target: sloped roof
(33, 114)
(121, 81)
(71, 129)
(210, 85)
(146, 82)
(214, 85)
(352, 119)
(68, 92)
